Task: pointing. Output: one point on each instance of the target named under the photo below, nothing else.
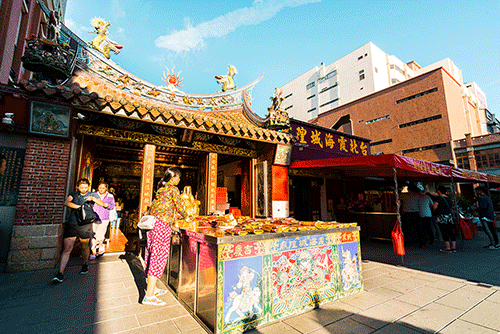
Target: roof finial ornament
(172, 80)
(277, 118)
(227, 80)
(101, 42)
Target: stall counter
(233, 283)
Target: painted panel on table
(349, 266)
(242, 292)
(302, 278)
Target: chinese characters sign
(264, 247)
(322, 139)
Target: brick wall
(37, 230)
(382, 107)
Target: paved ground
(433, 292)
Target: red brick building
(419, 118)
(481, 153)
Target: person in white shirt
(425, 204)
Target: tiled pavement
(433, 292)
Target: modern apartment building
(362, 72)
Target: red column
(148, 165)
(211, 182)
(280, 191)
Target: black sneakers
(84, 270)
(59, 278)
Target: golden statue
(227, 80)
(191, 205)
(101, 42)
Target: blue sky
(285, 38)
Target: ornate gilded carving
(277, 118)
(224, 149)
(227, 80)
(126, 135)
(101, 42)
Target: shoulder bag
(85, 214)
(147, 222)
(445, 218)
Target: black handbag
(85, 214)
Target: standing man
(425, 204)
(411, 217)
(487, 216)
(72, 230)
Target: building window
(328, 76)
(482, 161)
(381, 142)
(310, 85)
(378, 119)
(361, 74)
(360, 57)
(487, 159)
(423, 120)
(310, 97)
(286, 97)
(463, 161)
(311, 110)
(289, 107)
(424, 148)
(328, 88)
(395, 81)
(417, 95)
(395, 67)
(330, 102)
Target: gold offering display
(229, 225)
(191, 205)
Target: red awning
(407, 169)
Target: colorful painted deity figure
(248, 299)
(277, 99)
(277, 118)
(350, 271)
(227, 80)
(53, 28)
(101, 42)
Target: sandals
(153, 301)
(160, 292)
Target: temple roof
(98, 84)
(88, 91)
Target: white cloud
(80, 30)
(118, 11)
(193, 37)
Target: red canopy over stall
(408, 169)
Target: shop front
(369, 186)
(314, 193)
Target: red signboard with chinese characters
(314, 142)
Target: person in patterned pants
(164, 208)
